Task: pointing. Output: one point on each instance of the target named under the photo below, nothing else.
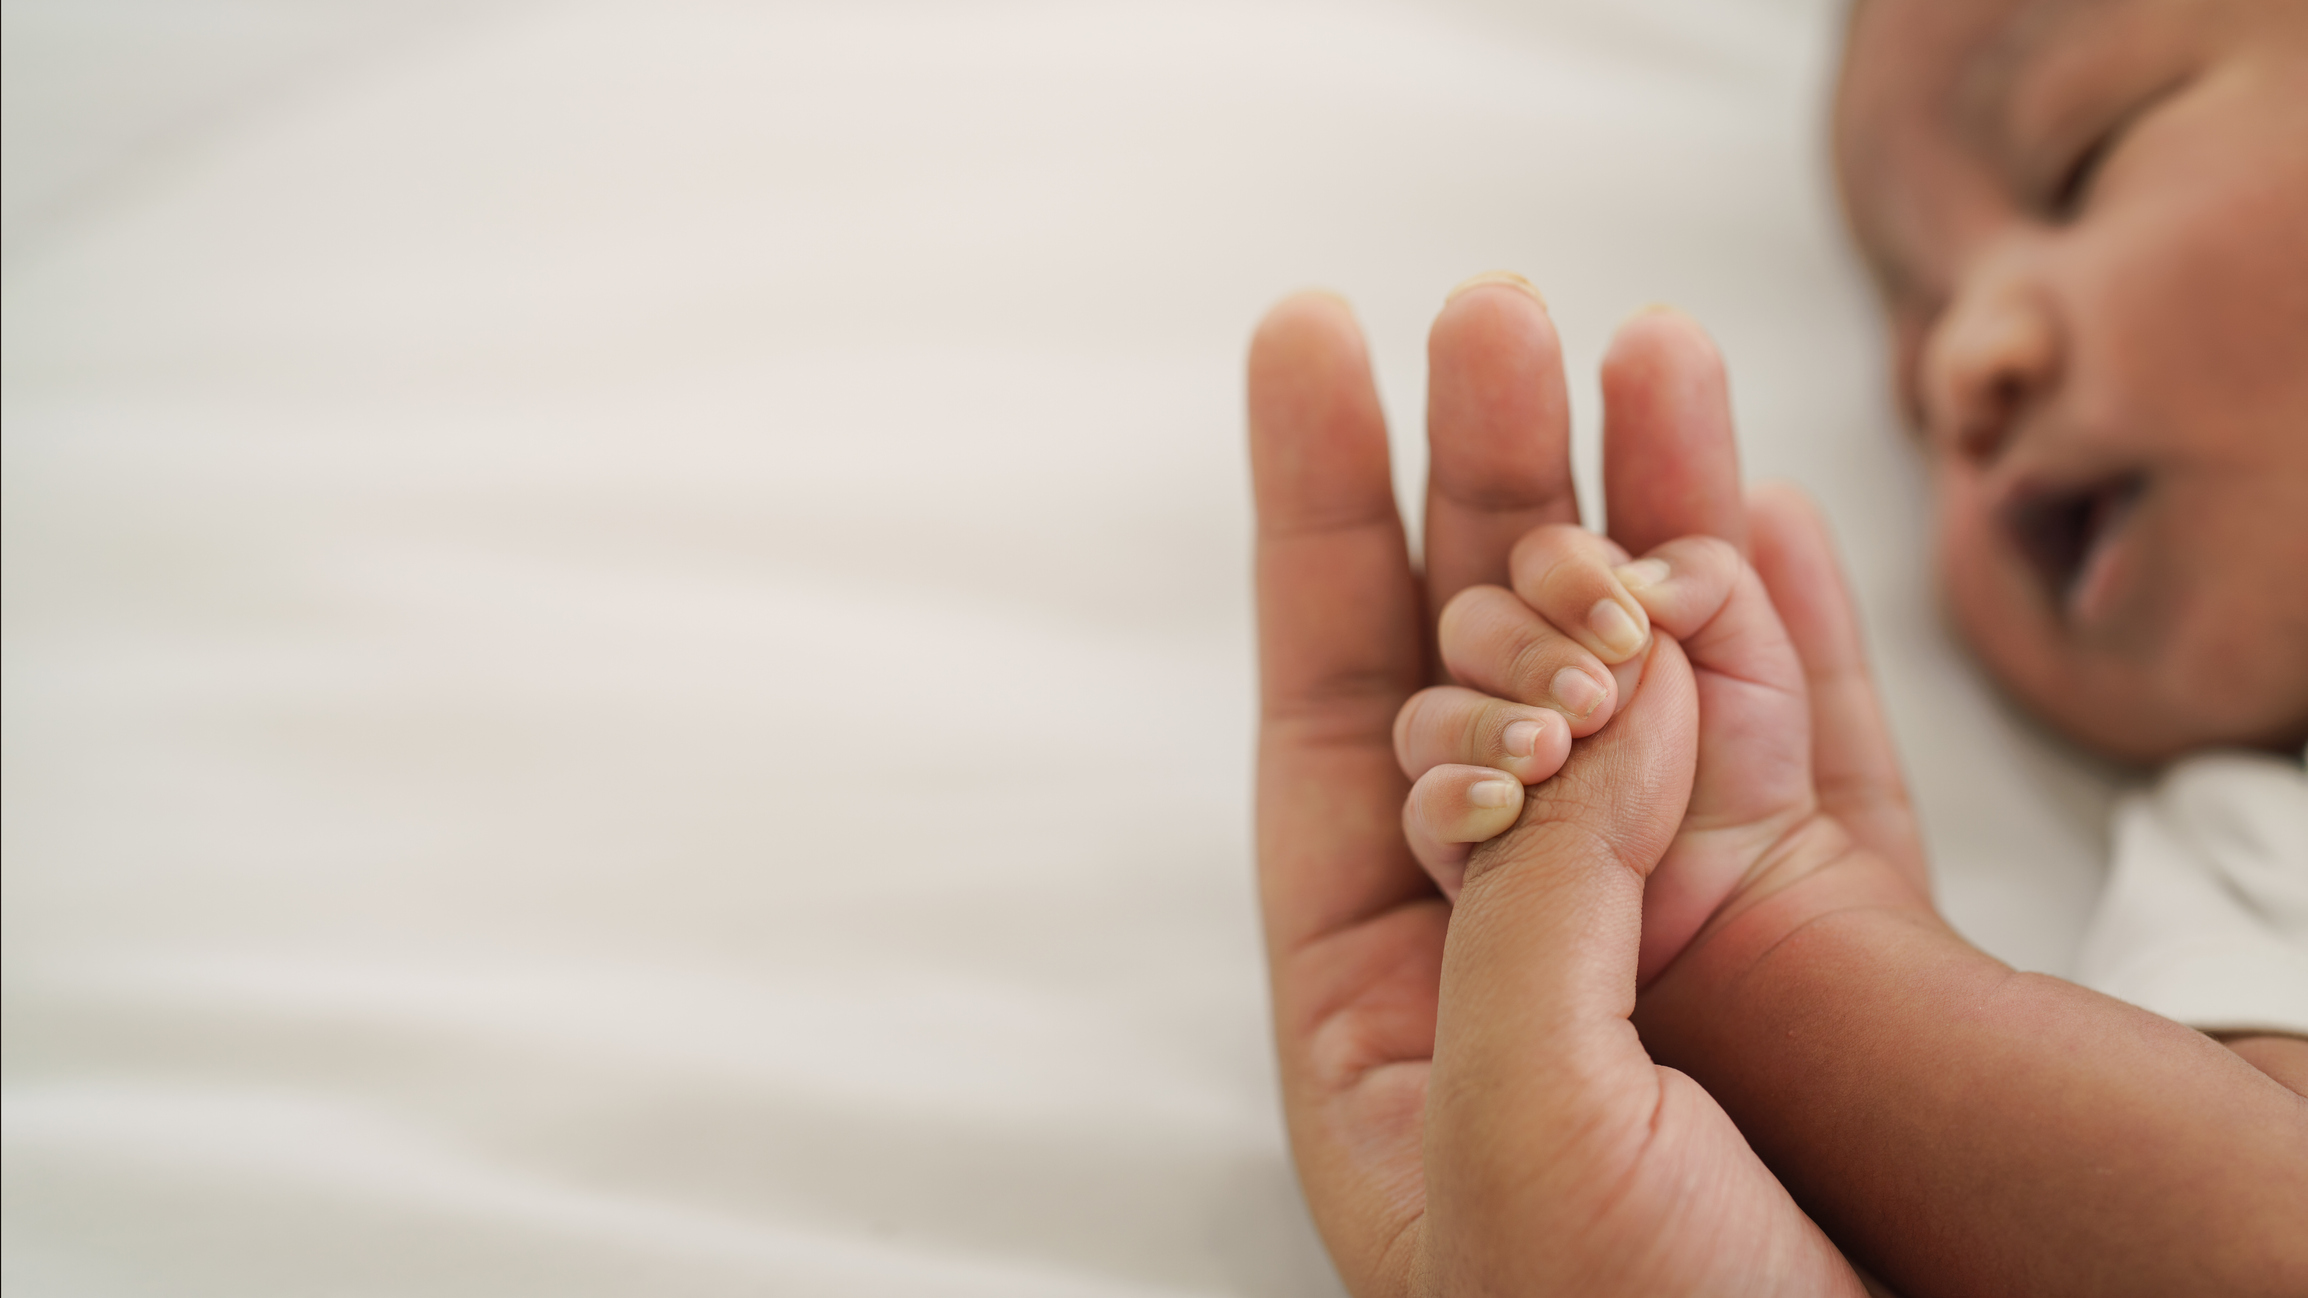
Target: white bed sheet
(627, 649)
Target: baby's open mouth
(2060, 530)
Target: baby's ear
(1626, 786)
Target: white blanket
(627, 653)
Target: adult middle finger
(1498, 433)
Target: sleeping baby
(2089, 220)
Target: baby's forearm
(1962, 1128)
(2283, 1058)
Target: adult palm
(1470, 1108)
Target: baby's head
(2090, 222)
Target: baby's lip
(2067, 533)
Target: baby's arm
(2020, 1134)
(1959, 1126)
(1967, 1128)
(2283, 1058)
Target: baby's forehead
(1958, 57)
(1908, 68)
(1962, 57)
(1928, 87)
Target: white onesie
(2205, 917)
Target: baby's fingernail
(1576, 691)
(1522, 737)
(1506, 277)
(1494, 793)
(1641, 573)
(1615, 629)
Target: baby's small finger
(1452, 724)
(1684, 583)
(1493, 641)
(1451, 809)
(1565, 573)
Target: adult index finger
(1339, 624)
(1354, 930)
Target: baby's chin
(2106, 727)
(2184, 693)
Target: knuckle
(1532, 665)
(1481, 731)
(1423, 717)
(1709, 554)
(1544, 546)
(1415, 710)
(1466, 614)
(1572, 580)
(1405, 730)
(1437, 796)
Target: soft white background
(627, 643)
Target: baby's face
(2090, 220)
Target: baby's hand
(1752, 802)
(1548, 665)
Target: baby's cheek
(2231, 626)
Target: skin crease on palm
(2089, 220)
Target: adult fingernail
(1641, 574)
(1506, 277)
(1576, 691)
(1494, 793)
(1522, 737)
(1618, 632)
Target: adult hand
(1469, 1106)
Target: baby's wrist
(1813, 871)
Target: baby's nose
(1994, 353)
